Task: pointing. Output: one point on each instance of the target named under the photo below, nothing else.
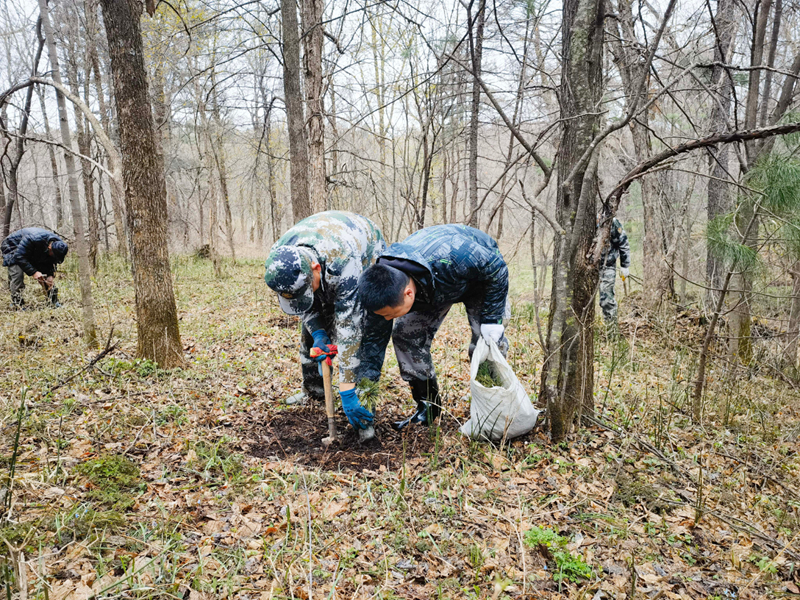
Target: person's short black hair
(381, 286)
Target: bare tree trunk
(272, 188)
(145, 189)
(84, 268)
(219, 159)
(742, 339)
(207, 158)
(773, 46)
(685, 247)
(456, 178)
(568, 371)
(117, 196)
(298, 149)
(444, 180)
(476, 55)
(313, 37)
(335, 200)
(657, 274)
(88, 180)
(378, 60)
(53, 162)
(718, 191)
(425, 176)
(85, 150)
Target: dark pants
(374, 338)
(414, 332)
(16, 284)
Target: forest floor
(133, 482)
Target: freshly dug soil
(296, 434)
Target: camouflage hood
(288, 271)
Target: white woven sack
(497, 412)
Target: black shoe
(426, 393)
(426, 414)
(56, 304)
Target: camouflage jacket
(617, 247)
(461, 262)
(345, 244)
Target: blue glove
(321, 341)
(353, 409)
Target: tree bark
(313, 37)
(476, 54)
(85, 150)
(568, 371)
(293, 97)
(84, 268)
(207, 158)
(145, 188)
(117, 194)
(53, 162)
(219, 159)
(718, 191)
(271, 186)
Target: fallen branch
(105, 352)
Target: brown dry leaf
(61, 590)
(248, 529)
(334, 509)
(212, 527)
(82, 592)
(433, 529)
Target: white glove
(624, 271)
(492, 331)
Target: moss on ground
(113, 481)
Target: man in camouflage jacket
(35, 252)
(314, 268)
(616, 247)
(417, 281)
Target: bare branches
(631, 111)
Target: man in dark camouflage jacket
(417, 281)
(617, 248)
(314, 268)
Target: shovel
(326, 381)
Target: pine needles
(368, 392)
(487, 377)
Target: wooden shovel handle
(326, 380)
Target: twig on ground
(105, 352)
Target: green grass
(568, 565)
